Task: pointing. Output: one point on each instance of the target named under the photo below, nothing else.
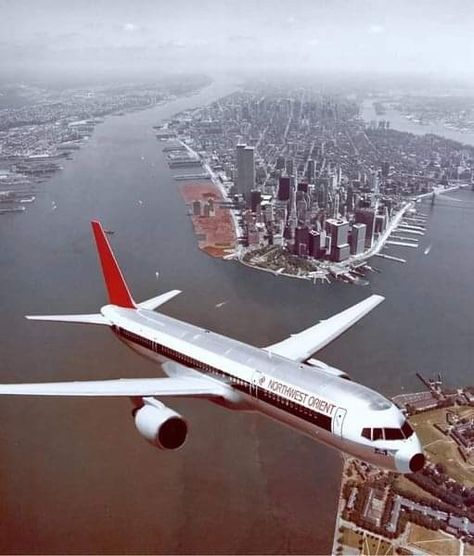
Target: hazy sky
(435, 37)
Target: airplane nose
(409, 458)
(417, 462)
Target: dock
(409, 231)
(401, 243)
(184, 177)
(402, 238)
(390, 257)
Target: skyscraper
(366, 216)
(301, 241)
(284, 188)
(245, 170)
(357, 239)
(337, 230)
(310, 170)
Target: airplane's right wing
(133, 387)
(300, 347)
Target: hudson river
(76, 477)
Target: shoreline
(424, 496)
(322, 269)
(326, 268)
(217, 182)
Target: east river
(76, 477)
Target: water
(401, 123)
(76, 477)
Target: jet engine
(160, 425)
(327, 369)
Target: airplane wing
(300, 347)
(174, 386)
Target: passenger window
(366, 433)
(377, 434)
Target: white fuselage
(326, 407)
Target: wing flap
(301, 346)
(186, 387)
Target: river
(401, 123)
(76, 477)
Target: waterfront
(399, 122)
(76, 473)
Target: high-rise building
(301, 241)
(255, 199)
(303, 186)
(317, 244)
(245, 170)
(350, 198)
(366, 216)
(284, 188)
(337, 230)
(293, 216)
(380, 223)
(357, 238)
(310, 170)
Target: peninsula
(314, 192)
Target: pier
(408, 231)
(184, 177)
(390, 257)
(401, 243)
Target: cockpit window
(394, 434)
(388, 433)
(377, 434)
(407, 430)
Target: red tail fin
(114, 281)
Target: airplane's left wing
(133, 387)
(300, 347)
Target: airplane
(282, 381)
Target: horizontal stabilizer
(134, 387)
(301, 346)
(155, 302)
(95, 318)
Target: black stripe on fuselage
(314, 417)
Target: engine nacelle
(327, 369)
(160, 425)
